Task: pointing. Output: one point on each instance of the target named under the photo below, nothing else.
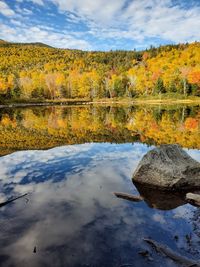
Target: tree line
(36, 71)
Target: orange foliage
(194, 77)
(191, 124)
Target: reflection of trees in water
(181, 113)
(78, 124)
(9, 112)
(157, 114)
(40, 111)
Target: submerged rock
(168, 167)
(161, 199)
(154, 198)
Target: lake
(69, 161)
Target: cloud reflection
(72, 217)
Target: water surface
(70, 216)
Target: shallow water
(70, 216)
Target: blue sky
(100, 24)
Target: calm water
(70, 160)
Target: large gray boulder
(168, 167)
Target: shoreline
(101, 101)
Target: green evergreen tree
(159, 86)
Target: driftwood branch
(172, 255)
(128, 196)
(193, 199)
(11, 200)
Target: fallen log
(193, 199)
(130, 197)
(11, 200)
(163, 249)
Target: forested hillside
(36, 71)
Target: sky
(100, 24)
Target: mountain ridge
(7, 43)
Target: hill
(37, 71)
(8, 44)
(3, 42)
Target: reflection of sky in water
(72, 217)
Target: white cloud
(6, 31)
(162, 20)
(100, 11)
(27, 11)
(38, 2)
(39, 34)
(6, 10)
(139, 20)
(159, 218)
(16, 22)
